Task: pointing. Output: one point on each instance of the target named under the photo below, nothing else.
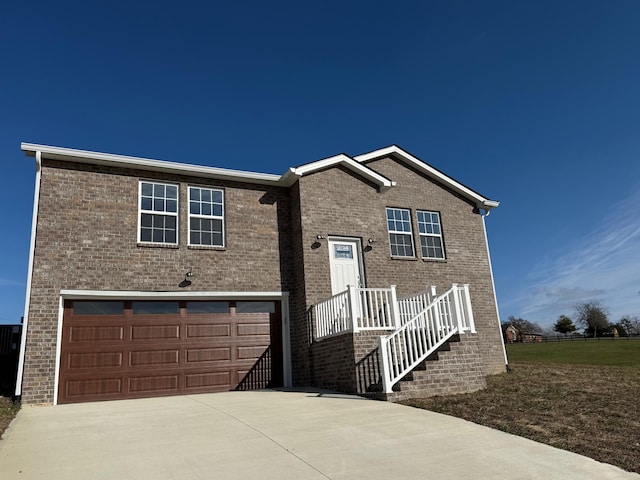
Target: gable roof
(342, 159)
(357, 165)
(431, 172)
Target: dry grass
(590, 410)
(7, 412)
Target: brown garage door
(132, 349)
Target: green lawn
(620, 352)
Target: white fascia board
(110, 159)
(139, 295)
(290, 177)
(479, 200)
(342, 159)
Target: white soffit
(397, 152)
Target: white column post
(384, 363)
(354, 307)
(395, 310)
(467, 299)
(456, 307)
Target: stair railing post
(384, 363)
(456, 307)
(395, 309)
(467, 299)
(354, 307)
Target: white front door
(346, 269)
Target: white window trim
(213, 217)
(151, 212)
(439, 235)
(397, 232)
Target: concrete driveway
(272, 435)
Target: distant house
(513, 334)
(151, 278)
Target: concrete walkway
(272, 435)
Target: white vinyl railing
(445, 316)
(378, 308)
(333, 316)
(357, 309)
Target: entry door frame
(357, 249)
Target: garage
(112, 349)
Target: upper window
(158, 219)
(430, 235)
(400, 237)
(206, 217)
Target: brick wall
(337, 202)
(333, 363)
(458, 370)
(86, 239)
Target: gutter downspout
(493, 285)
(25, 322)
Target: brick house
(369, 275)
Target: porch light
(186, 282)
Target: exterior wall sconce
(372, 240)
(320, 236)
(186, 282)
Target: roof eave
(123, 161)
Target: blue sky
(532, 103)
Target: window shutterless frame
(400, 233)
(430, 232)
(158, 207)
(206, 217)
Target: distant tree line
(591, 316)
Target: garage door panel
(208, 354)
(251, 352)
(155, 332)
(81, 360)
(154, 357)
(154, 383)
(219, 380)
(208, 330)
(251, 329)
(106, 357)
(96, 333)
(93, 387)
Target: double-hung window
(400, 236)
(206, 217)
(430, 235)
(158, 213)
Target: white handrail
(377, 308)
(333, 315)
(357, 309)
(408, 346)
